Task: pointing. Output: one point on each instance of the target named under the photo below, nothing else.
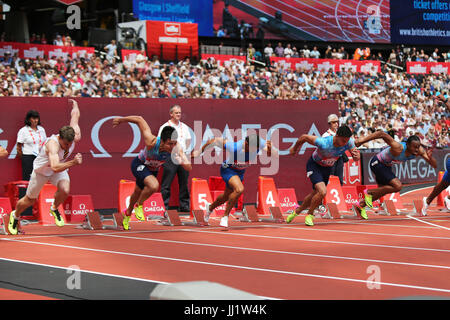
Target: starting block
(94, 222)
(173, 219)
(354, 214)
(250, 214)
(275, 215)
(117, 220)
(418, 205)
(332, 211)
(199, 217)
(390, 208)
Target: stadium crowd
(399, 103)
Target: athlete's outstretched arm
(428, 156)
(74, 118)
(396, 147)
(300, 141)
(179, 157)
(149, 138)
(215, 142)
(271, 151)
(3, 152)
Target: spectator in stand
(343, 53)
(366, 53)
(373, 100)
(250, 51)
(279, 50)
(392, 57)
(306, 51)
(68, 42)
(314, 53)
(7, 59)
(221, 32)
(288, 51)
(58, 41)
(358, 54)
(268, 51)
(328, 53)
(111, 50)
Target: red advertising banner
(364, 66)
(427, 67)
(107, 151)
(171, 40)
(224, 59)
(130, 55)
(33, 51)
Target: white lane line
(427, 222)
(81, 270)
(202, 244)
(300, 274)
(322, 241)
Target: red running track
(335, 259)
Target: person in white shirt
(141, 60)
(111, 50)
(171, 169)
(52, 165)
(268, 51)
(338, 167)
(288, 51)
(29, 140)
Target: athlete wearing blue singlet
(148, 162)
(321, 163)
(381, 165)
(146, 165)
(238, 159)
(240, 155)
(319, 166)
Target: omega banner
(412, 171)
(107, 151)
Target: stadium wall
(107, 151)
